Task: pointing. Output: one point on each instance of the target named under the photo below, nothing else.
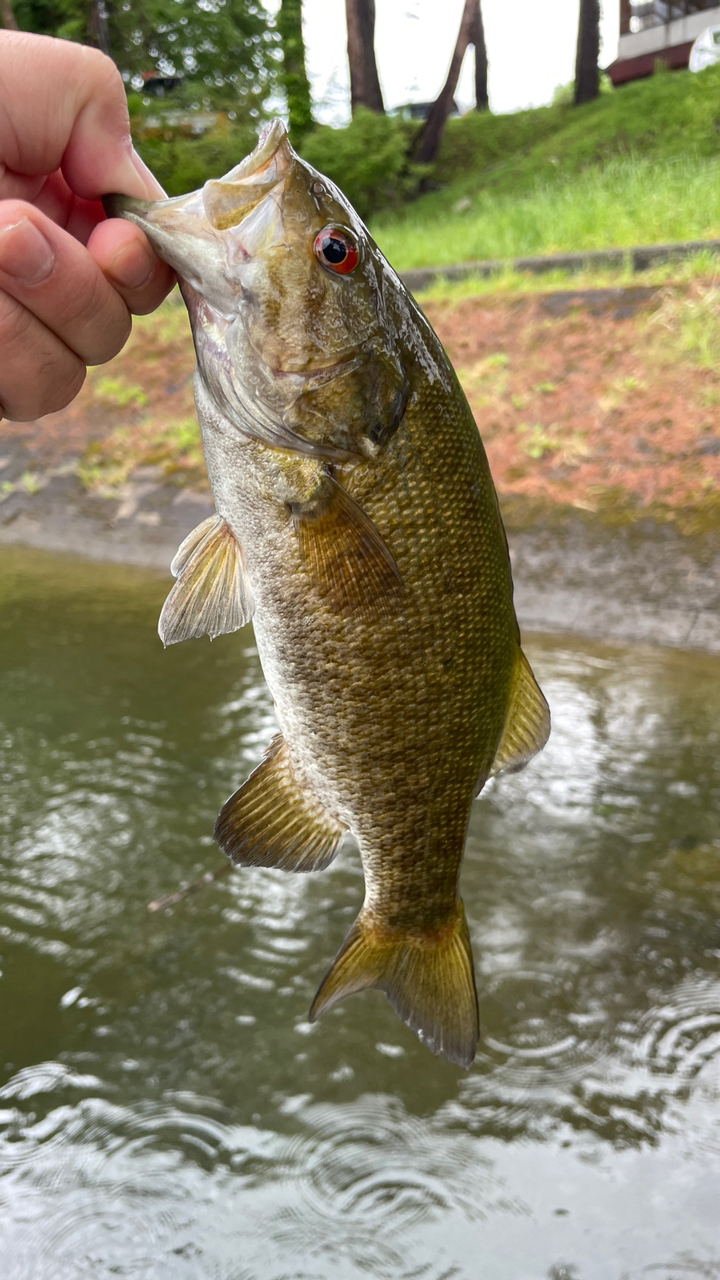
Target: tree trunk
(587, 77)
(294, 76)
(477, 38)
(430, 137)
(365, 88)
(98, 26)
(8, 17)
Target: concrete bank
(636, 258)
(637, 584)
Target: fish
(357, 525)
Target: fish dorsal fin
(276, 820)
(345, 554)
(527, 727)
(212, 595)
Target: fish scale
(358, 525)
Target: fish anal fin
(427, 977)
(274, 820)
(527, 726)
(211, 596)
(345, 554)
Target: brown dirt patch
(609, 413)
(592, 411)
(137, 410)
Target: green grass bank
(640, 165)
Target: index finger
(64, 107)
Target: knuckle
(62, 381)
(101, 68)
(104, 84)
(91, 318)
(15, 324)
(107, 331)
(39, 374)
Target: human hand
(69, 277)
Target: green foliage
(227, 45)
(481, 143)
(368, 159)
(638, 165)
(184, 164)
(294, 74)
(663, 117)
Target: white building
(664, 29)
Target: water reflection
(166, 1110)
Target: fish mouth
(176, 226)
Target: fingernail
(155, 191)
(25, 254)
(133, 266)
(131, 177)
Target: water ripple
(680, 1039)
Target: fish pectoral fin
(274, 820)
(212, 595)
(527, 727)
(346, 555)
(427, 977)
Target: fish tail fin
(428, 978)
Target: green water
(166, 1110)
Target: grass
(145, 396)
(626, 202)
(118, 393)
(174, 448)
(665, 117)
(688, 329)
(640, 165)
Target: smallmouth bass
(358, 526)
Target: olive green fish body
(358, 525)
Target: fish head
(296, 315)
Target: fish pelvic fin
(346, 555)
(527, 727)
(274, 820)
(212, 595)
(428, 978)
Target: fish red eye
(337, 250)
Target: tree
(365, 88)
(294, 74)
(227, 47)
(98, 26)
(587, 77)
(430, 136)
(477, 38)
(7, 15)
